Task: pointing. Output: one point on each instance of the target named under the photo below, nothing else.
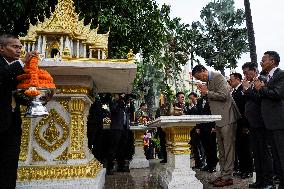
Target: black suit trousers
(262, 158)
(278, 154)
(116, 150)
(10, 141)
(243, 151)
(208, 140)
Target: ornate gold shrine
(54, 148)
(63, 35)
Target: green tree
(135, 24)
(224, 39)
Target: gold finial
(130, 55)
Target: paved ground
(145, 179)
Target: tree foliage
(224, 38)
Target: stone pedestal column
(54, 152)
(178, 173)
(139, 159)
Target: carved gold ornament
(62, 156)
(65, 21)
(64, 103)
(36, 157)
(75, 89)
(89, 170)
(177, 140)
(51, 138)
(26, 124)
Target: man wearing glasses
(272, 106)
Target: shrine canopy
(67, 48)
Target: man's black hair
(179, 93)
(193, 93)
(250, 66)
(274, 56)
(237, 75)
(197, 69)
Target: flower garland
(34, 78)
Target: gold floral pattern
(49, 140)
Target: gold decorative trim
(177, 140)
(62, 156)
(138, 136)
(53, 115)
(36, 157)
(28, 173)
(74, 89)
(77, 107)
(64, 103)
(26, 124)
(77, 155)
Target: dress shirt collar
(270, 74)
(236, 88)
(210, 75)
(9, 63)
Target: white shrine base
(139, 160)
(177, 173)
(82, 183)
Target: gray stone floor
(146, 179)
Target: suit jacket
(221, 101)
(239, 99)
(203, 108)
(272, 105)
(119, 115)
(8, 83)
(253, 108)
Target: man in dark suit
(10, 116)
(119, 127)
(272, 106)
(221, 103)
(243, 159)
(195, 140)
(259, 141)
(207, 136)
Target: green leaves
(223, 37)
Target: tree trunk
(250, 30)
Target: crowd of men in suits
(250, 135)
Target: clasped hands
(256, 82)
(202, 88)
